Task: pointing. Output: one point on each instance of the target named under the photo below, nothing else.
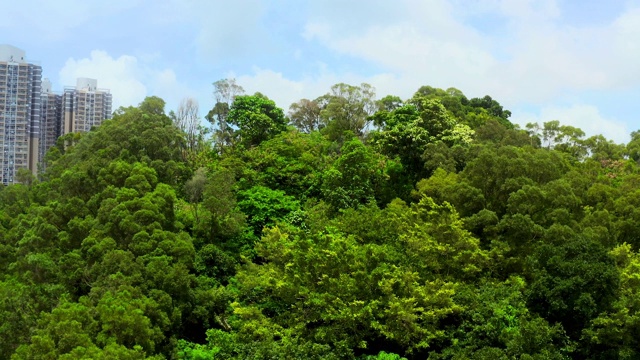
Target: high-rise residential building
(32, 116)
(20, 91)
(85, 106)
(50, 120)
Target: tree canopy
(351, 228)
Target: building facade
(85, 106)
(51, 125)
(33, 117)
(20, 107)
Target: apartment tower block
(33, 117)
(20, 92)
(50, 120)
(85, 106)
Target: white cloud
(128, 79)
(583, 116)
(426, 46)
(123, 76)
(625, 47)
(514, 50)
(535, 58)
(273, 84)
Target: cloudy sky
(577, 61)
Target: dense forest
(348, 227)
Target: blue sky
(573, 61)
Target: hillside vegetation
(347, 228)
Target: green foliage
(356, 178)
(612, 333)
(403, 135)
(573, 279)
(473, 112)
(101, 234)
(491, 106)
(434, 117)
(264, 207)
(117, 325)
(423, 134)
(220, 219)
(190, 351)
(152, 105)
(346, 108)
(132, 135)
(445, 233)
(257, 118)
(450, 187)
(292, 162)
(305, 115)
(384, 356)
(346, 293)
(497, 324)
(499, 172)
(633, 147)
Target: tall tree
(615, 331)
(633, 147)
(152, 105)
(355, 178)
(305, 115)
(225, 92)
(257, 118)
(435, 117)
(493, 107)
(389, 103)
(348, 107)
(187, 119)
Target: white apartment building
(20, 93)
(33, 117)
(85, 106)
(50, 120)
